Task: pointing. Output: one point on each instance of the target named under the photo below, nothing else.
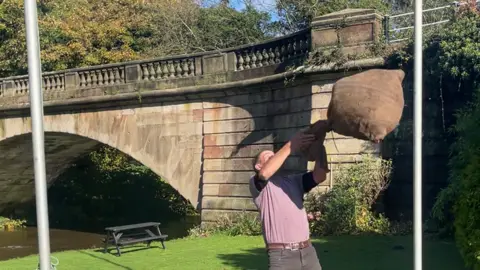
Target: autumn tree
(75, 33)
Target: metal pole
(417, 136)
(36, 109)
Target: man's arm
(275, 162)
(319, 173)
(299, 141)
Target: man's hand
(300, 141)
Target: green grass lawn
(222, 252)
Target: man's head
(261, 159)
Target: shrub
(465, 183)
(441, 216)
(241, 223)
(11, 224)
(347, 207)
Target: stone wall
(233, 136)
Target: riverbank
(23, 242)
(242, 252)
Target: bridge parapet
(351, 28)
(168, 69)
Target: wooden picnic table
(132, 234)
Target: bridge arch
(162, 141)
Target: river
(23, 242)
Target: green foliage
(241, 223)
(232, 28)
(452, 69)
(91, 32)
(347, 207)
(11, 224)
(451, 62)
(297, 14)
(108, 188)
(432, 16)
(464, 191)
(442, 215)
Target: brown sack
(367, 105)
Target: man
(280, 202)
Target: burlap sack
(367, 105)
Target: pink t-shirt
(280, 203)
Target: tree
(91, 32)
(297, 14)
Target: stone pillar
(71, 80)
(8, 88)
(353, 29)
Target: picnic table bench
(132, 234)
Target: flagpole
(36, 110)
(417, 135)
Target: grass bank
(242, 252)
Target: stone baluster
(277, 55)
(145, 74)
(171, 69)
(165, 71)
(191, 67)
(56, 80)
(18, 87)
(265, 57)
(94, 78)
(151, 71)
(122, 75)
(253, 59)
(158, 71)
(87, 79)
(240, 61)
(184, 68)
(289, 50)
(272, 56)
(47, 83)
(110, 76)
(54, 83)
(101, 77)
(116, 75)
(259, 59)
(247, 60)
(61, 79)
(178, 69)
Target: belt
(289, 246)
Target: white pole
(36, 110)
(417, 136)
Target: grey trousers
(303, 259)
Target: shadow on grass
(256, 258)
(130, 249)
(106, 260)
(361, 253)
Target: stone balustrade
(358, 27)
(274, 52)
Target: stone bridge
(195, 120)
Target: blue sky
(263, 5)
